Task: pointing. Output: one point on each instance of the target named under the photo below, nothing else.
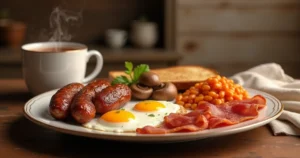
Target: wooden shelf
(10, 59)
(138, 55)
(13, 56)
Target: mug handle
(98, 67)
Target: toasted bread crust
(183, 76)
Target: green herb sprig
(133, 73)
(151, 115)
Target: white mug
(52, 65)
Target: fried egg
(134, 115)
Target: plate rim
(133, 137)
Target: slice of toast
(182, 76)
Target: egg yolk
(149, 106)
(118, 116)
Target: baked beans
(215, 90)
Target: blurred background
(226, 35)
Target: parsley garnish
(151, 115)
(133, 73)
(120, 79)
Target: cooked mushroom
(149, 79)
(166, 91)
(139, 91)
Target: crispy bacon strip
(258, 99)
(208, 115)
(178, 123)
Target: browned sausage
(112, 97)
(82, 107)
(60, 102)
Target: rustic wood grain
(232, 54)
(234, 35)
(169, 20)
(252, 3)
(250, 48)
(21, 138)
(195, 19)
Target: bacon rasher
(207, 116)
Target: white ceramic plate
(36, 110)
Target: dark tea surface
(55, 50)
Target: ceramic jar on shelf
(115, 38)
(12, 33)
(144, 34)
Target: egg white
(152, 118)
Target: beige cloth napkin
(271, 78)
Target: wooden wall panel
(245, 3)
(229, 69)
(209, 49)
(169, 30)
(234, 35)
(233, 19)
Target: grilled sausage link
(82, 107)
(112, 97)
(60, 102)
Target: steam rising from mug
(61, 22)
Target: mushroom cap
(149, 79)
(139, 91)
(167, 91)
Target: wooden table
(21, 138)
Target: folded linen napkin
(271, 78)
